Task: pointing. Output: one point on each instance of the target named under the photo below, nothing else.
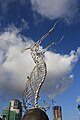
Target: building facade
(14, 111)
(57, 111)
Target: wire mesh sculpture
(35, 80)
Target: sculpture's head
(34, 47)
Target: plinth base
(35, 114)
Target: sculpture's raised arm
(24, 49)
(54, 43)
(49, 32)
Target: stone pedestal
(35, 114)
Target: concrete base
(35, 114)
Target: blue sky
(25, 21)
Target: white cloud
(59, 72)
(15, 66)
(78, 99)
(53, 9)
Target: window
(16, 104)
